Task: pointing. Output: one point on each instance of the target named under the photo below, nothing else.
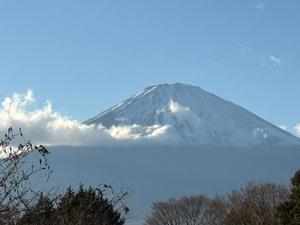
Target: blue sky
(85, 56)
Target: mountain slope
(194, 117)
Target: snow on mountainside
(194, 117)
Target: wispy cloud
(217, 64)
(275, 60)
(263, 62)
(245, 49)
(260, 6)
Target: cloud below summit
(45, 126)
(214, 122)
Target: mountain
(194, 117)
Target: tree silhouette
(18, 163)
(77, 207)
(289, 211)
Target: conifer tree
(289, 211)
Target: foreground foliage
(18, 164)
(82, 207)
(256, 204)
(289, 211)
(20, 204)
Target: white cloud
(260, 6)
(275, 60)
(178, 112)
(45, 126)
(137, 131)
(283, 127)
(183, 121)
(245, 49)
(177, 108)
(297, 129)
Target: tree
(187, 210)
(89, 206)
(41, 213)
(16, 171)
(81, 207)
(289, 211)
(20, 204)
(217, 211)
(256, 204)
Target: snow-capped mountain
(194, 117)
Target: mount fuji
(212, 150)
(194, 117)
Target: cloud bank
(45, 126)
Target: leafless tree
(184, 211)
(256, 204)
(217, 211)
(18, 163)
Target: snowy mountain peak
(194, 117)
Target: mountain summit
(194, 117)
